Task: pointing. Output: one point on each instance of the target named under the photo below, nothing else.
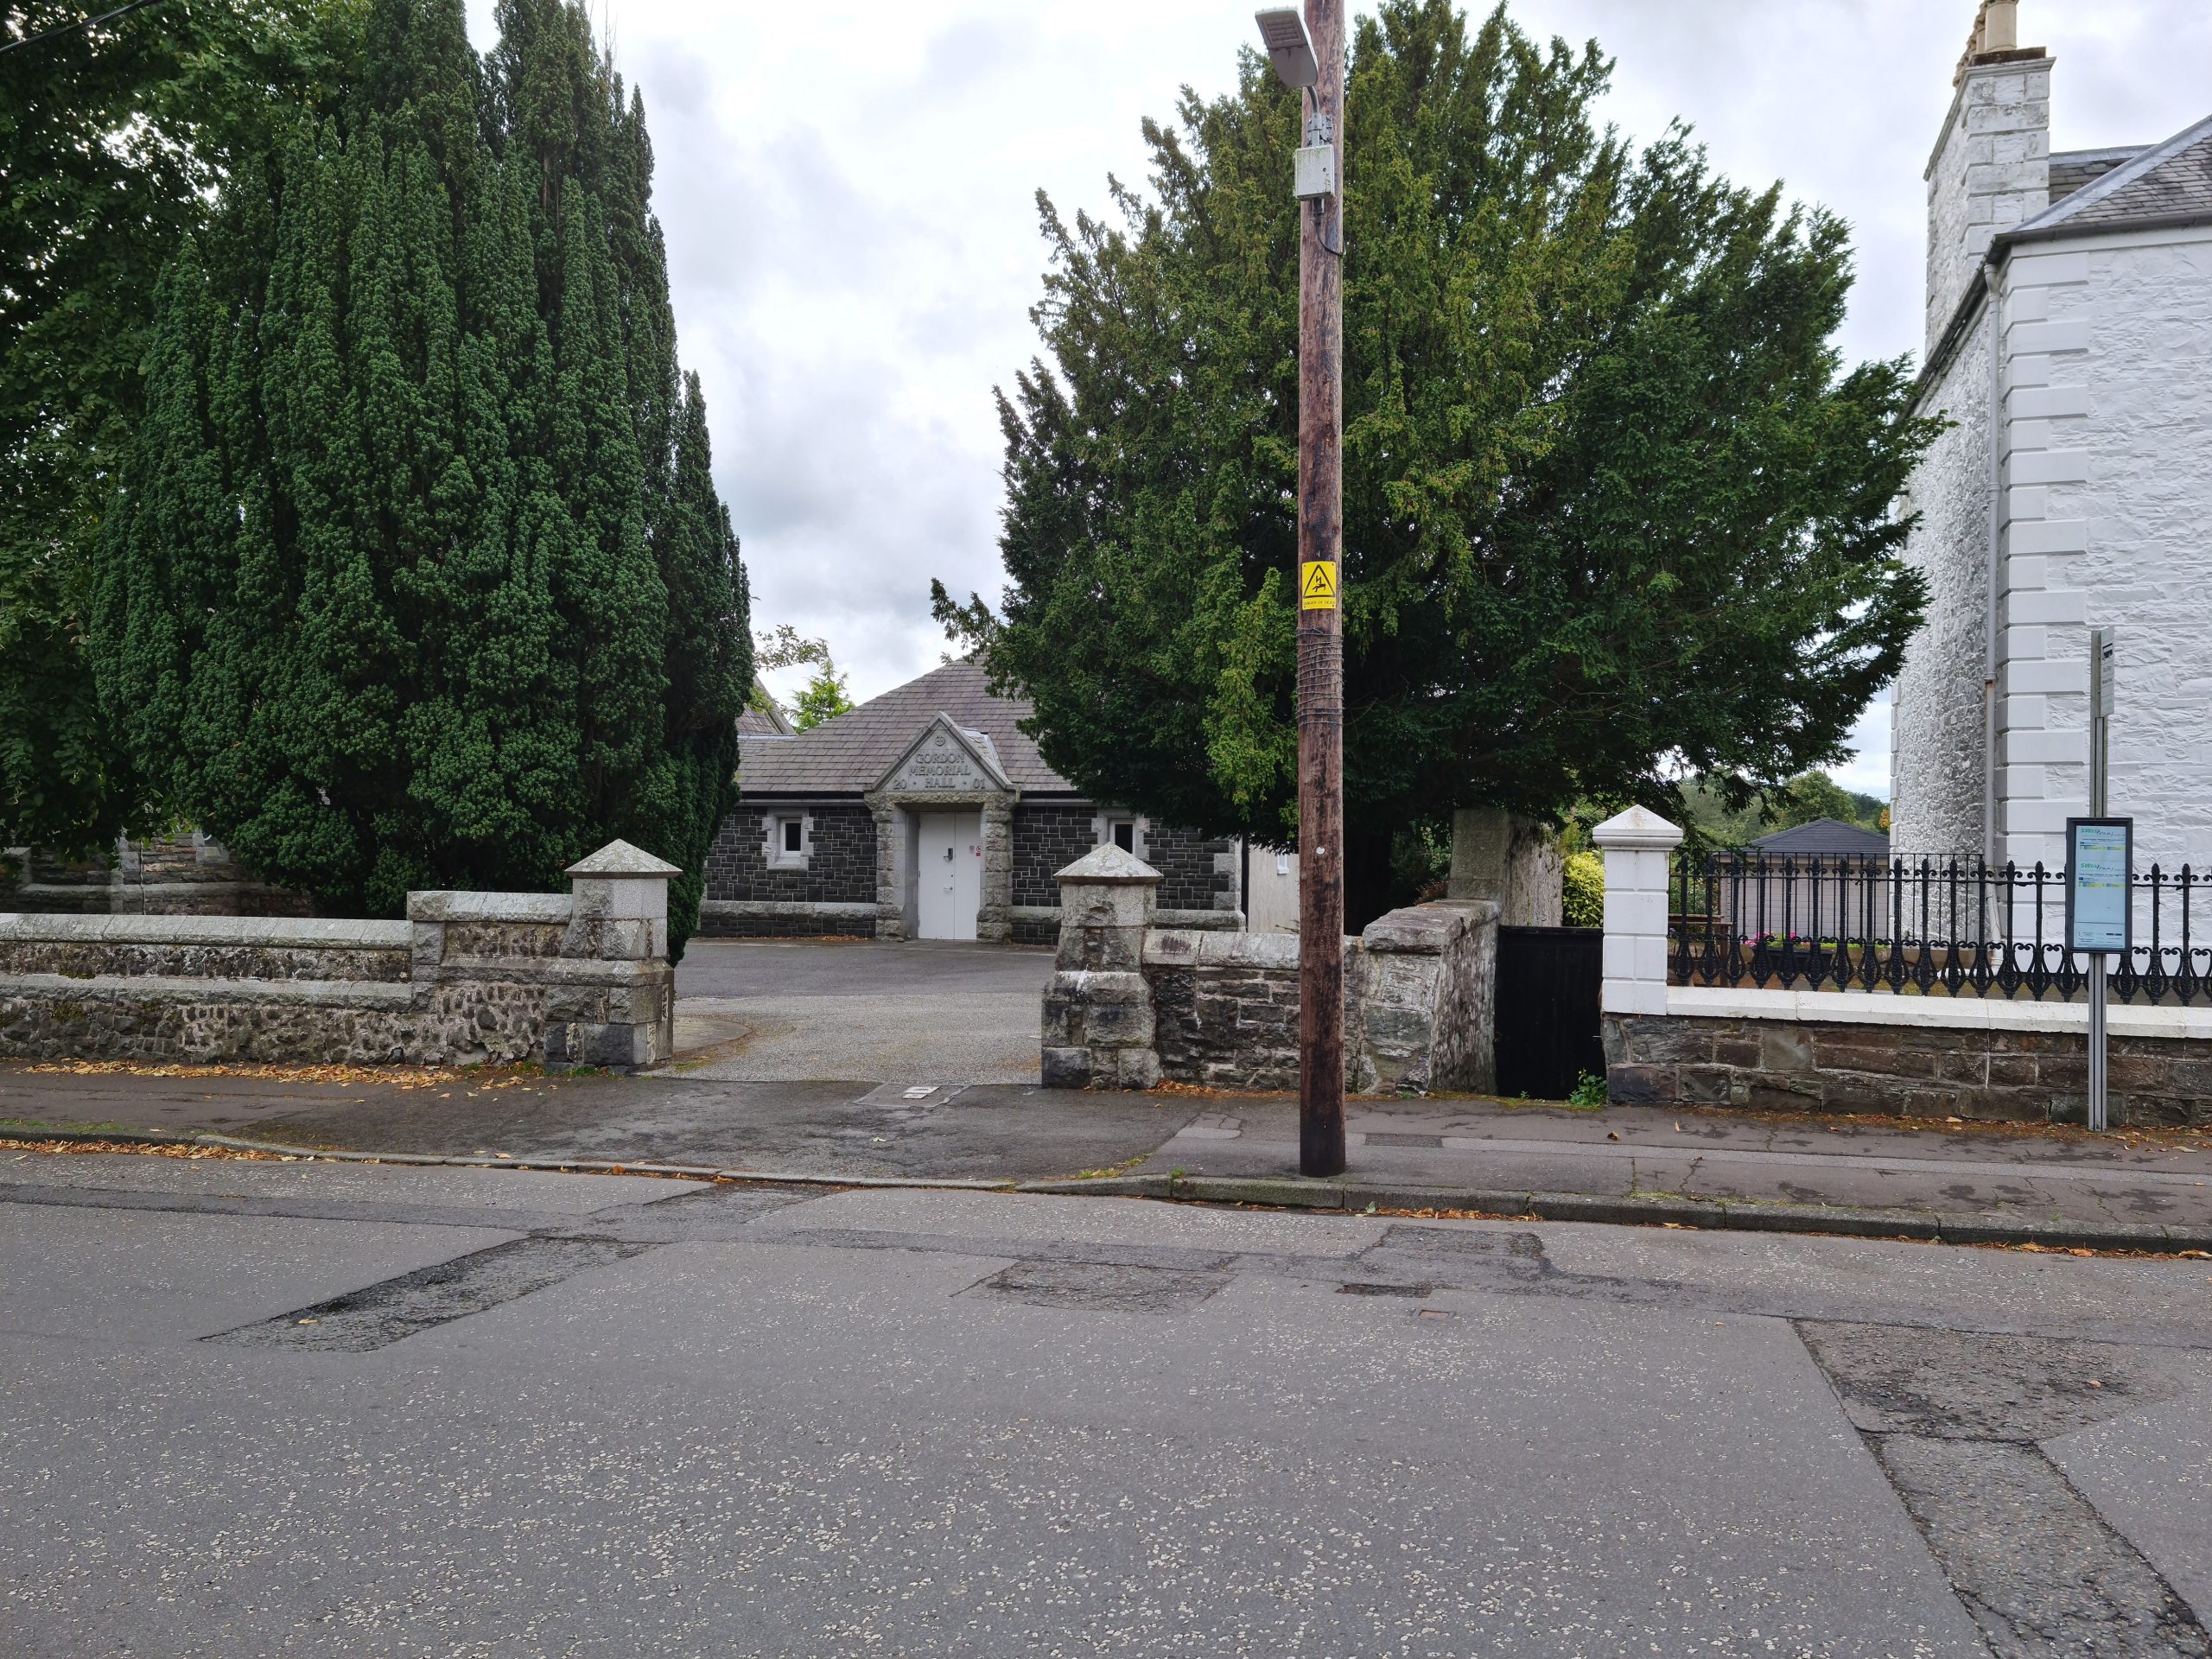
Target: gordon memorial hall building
(2069, 343)
(927, 814)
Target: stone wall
(2008, 1072)
(1133, 1003)
(184, 874)
(1049, 835)
(580, 978)
(1419, 1004)
(840, 866)
(1937, 714)
(1196, 872)
(833, 894)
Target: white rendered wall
(1991, 170)
(2110, 496)
(1936, 741)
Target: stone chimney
(1991, 166)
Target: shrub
(1585, 890)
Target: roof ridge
(2145, 162)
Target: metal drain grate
(1378, 1139)
(396, 1309)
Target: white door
(951, 877)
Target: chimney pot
(2000, 23)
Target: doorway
(948, 875)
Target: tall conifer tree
(421, 579)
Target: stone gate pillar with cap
(614, 1004)
(1098, 1020)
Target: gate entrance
(1550, 982)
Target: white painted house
(2069, 338)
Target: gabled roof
(945, 744)
(1826, 837)
(2167, 184)
(848, 755)
(763, 716)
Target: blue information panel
(2100, 866)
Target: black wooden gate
(1548, 981)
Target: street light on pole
(1308, 54)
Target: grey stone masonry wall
(1420, 1004)
(1047, 836)
(1130, 1004)
(1098, 1014)
(183, 874)
(2003, 1076)
(1196, 872)
(841, 860)
(580, 978)
(834, 896)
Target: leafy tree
(114, 138)
(1615, 513)
(1713, 821)
(420, 578)
(825, 695)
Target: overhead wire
(70, 28)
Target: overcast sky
(848, 189)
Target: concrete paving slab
(1056, 1220)
(126, 1277)
(539, 1190)
(2110, 1298)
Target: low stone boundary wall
(1133, 1003)
(184, 874)
(1985, 1058)
(1910, 1057)
(581, 978)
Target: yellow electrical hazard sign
(1317, 586)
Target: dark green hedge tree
(113, 139)
(421, 579)
(1614, 513)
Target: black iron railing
(1925, 927)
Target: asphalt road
(286, 1408)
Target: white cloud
(848, 191)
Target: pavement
(882, 1068)
(305, 1408)
(755, 1011)
(1881, 1177)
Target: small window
(794, 833)
(1125, 834)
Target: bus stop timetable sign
(2100, 864)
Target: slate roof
(764, 716)
(2165, 184)
(2071, 169)
(850, 753)
(1827, 838)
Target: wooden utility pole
(1320, 621)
